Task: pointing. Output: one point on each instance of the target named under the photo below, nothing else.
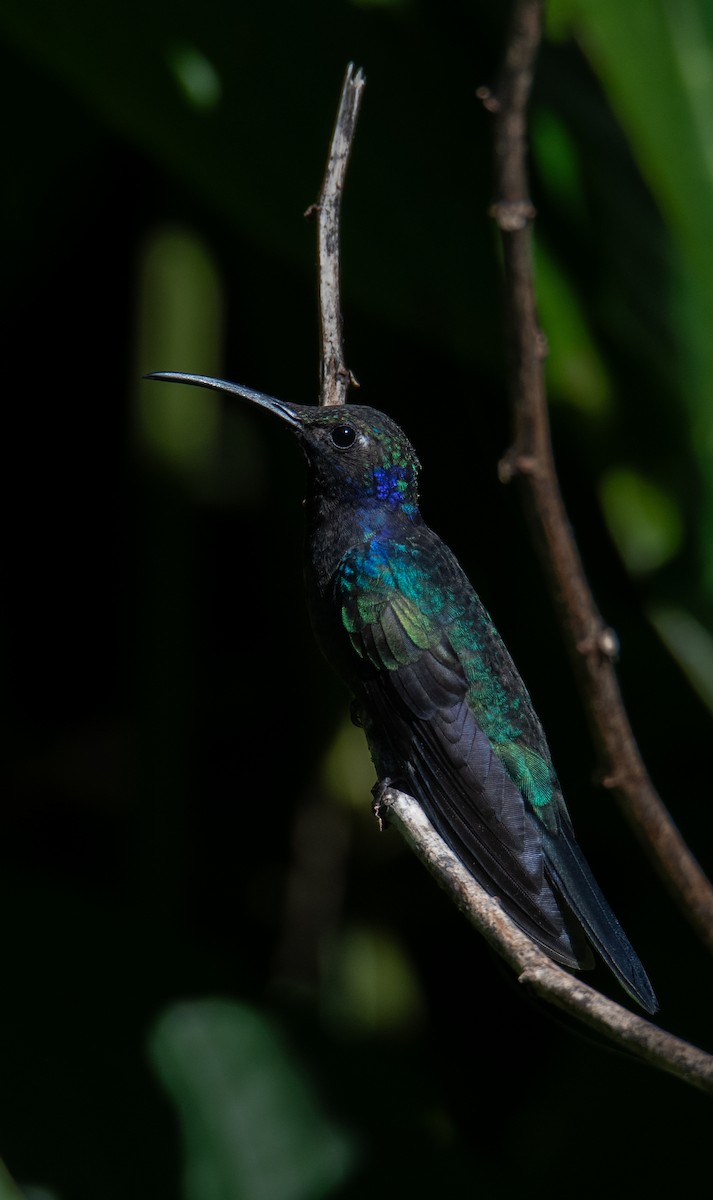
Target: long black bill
(287, 412)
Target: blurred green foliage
(187, 810)
(8, 1189)
(251, 1126)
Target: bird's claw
(380, 803)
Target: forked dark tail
(572, 877)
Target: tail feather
(573, 879)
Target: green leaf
(8, 1188)
(691, 645)
(370, 985)
(576, 373)
(253, 1128)
(655, 61)
(644, 521)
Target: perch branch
(335, 377)
(591, 644)
(535, 970)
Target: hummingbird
(446, 714)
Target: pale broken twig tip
(335, 376)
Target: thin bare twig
(591, 644)
(535, 970)
(335, 377)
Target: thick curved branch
(335, 377)
(591, 644)
(535, 970)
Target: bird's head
(355, 453)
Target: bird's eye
(343, 436)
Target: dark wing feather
(445, 760)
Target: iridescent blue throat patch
(393, 483)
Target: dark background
(218, 979)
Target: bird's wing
(425, 729)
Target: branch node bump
(612, 781)
(488, 99)
(512, 215)
(513, 463)
(542, 344)
(608, 643)
(602, 641)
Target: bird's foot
(380, 803)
